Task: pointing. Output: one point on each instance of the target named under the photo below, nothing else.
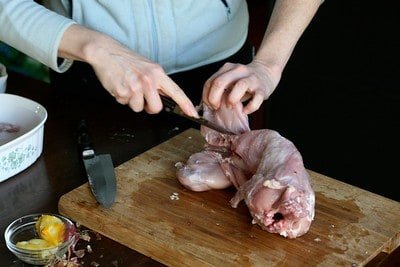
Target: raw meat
(8, 127)
(266, 169)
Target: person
(134, 46)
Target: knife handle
(168, 103)
(84, 140)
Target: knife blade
(172, 107)
(99, 169)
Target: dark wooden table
(115, 129)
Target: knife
(99, 168)
(172, 107)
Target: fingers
(130, 92)
(242, 83)
(216, 85)
(146, 98)
(136, 102)
(136, 81)
(239, 90)
(121, 94)
(149, 99)
(153, 103)
(243, 90)
(142, 93)
(254, 104)
(170, 88)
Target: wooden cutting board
(351, 225)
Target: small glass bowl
(23, 229)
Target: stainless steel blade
(203, 121)
(101, 176)
(171, 106)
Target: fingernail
(194, 113)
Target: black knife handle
(84, 140)
(168, 103)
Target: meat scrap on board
(266, 169)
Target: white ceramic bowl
(3, 78)
(21, 133)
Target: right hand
(131, 78)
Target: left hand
(255, 80)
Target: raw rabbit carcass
(266, 169)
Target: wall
(339, 98)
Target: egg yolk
(35, 244)
(51, 231)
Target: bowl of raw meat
(21, 133)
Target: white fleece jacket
(178, 34)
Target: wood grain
(351, 225)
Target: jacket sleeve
(34, 30)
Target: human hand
(131, 78)
(242, 82)
(136, 81)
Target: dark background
(339, 99)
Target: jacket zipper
(228, 9)
(153, 32)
